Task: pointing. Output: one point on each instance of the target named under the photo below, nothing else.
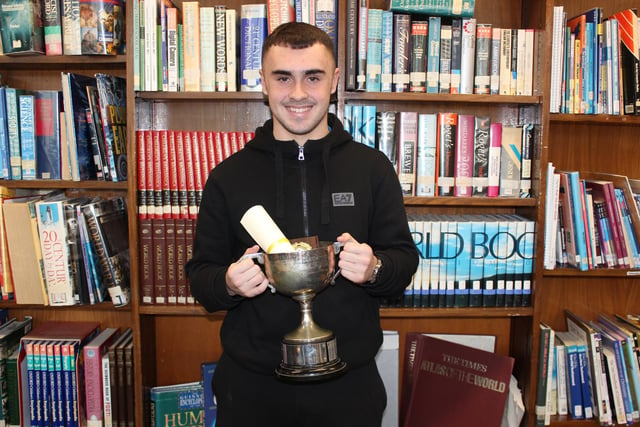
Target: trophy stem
(308, 331)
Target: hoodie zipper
(303, 190)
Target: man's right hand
(245, 277)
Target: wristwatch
(377, 269)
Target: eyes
(311, 79)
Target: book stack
(446, 50)
(590, 370)
(448, 154)
(470, 261)
(81, 244)
(76, 134)
(173, 166)
(595, 66)
(593, 221)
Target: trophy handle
(337, 247)
(258, 256)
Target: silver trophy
(309, 352)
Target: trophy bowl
(309, 352)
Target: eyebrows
(313, 71)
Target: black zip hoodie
(324, 188)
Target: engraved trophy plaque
(309, 352)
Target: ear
(334, 84)
(264, 85)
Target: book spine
(52, 21)
(426, 170)
(232, 64)
(456, 54)
(279, 12)
(482, 74)
(495, 152)
(26, 105)
(407, 149)
(325, 18)
(481, 151)
(386, 72)
(526, 175)
(494, 61)
(544, 348)
(374, 51)
(145, 227)
(253, 31)
(221, 48)
(464, 155)
(106, 392)
(363, 25)
(13, 132)
(71, 39)
(419, 50)
(351, 44)
(468, 54)
(505, 62)
(445, 59)
(433, 54)
(510, 161)
(208, 42)
(447, 132)
(401, 52)
(463, 8)
(191, 45)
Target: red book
(173, 175)
(495, 150)
(457, 385)
(447, 135)
(211, 150)
(218, 147)
(183, 199)
(159, 261)
(93, 352)
(181, 259)
(604, 190)
(170, 260)
(189, 233)
(157, 174)
(164, 174)
(190, 176)
(233, 140)
(279, 12)
(142, 177)
(205, 166)
(148, 137)
(464, 155)
(196, 166)
(145, 230)
(226, 145)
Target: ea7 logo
(343, 199)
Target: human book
(457, 385)
(108, 230)
(177, 401)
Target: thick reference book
(176, 401)
(457, 385)
(93, 352)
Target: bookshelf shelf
(53, 184)
(190, 96)
(588, 119)
(601, 272)
(470, 201)
(78, 62)
(453, 98)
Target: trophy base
(310, 361)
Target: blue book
(433, 54)
(425, 263)
(576, 195)
(502, 248)
(585, 379)
(615, 64)
(374, 51)
(478, 253)
(386, 72)
(518, 260)
(26, 107)
(410, 298)
(253, 31)
(13, 129)
(574, 388)
(356, 123)
(368, 128)
(511, 263)
(442, 263)
(490, 269)
(5, 166)
(326, 19)
(450, 254)
(634, 244)
(527, 245)
(210, 408)
(348, 118)
(463, 262)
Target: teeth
(298, 110)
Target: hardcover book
(462, 8)
(48, 104)
(426, 171)
(407, 151)
(419, 50)
(401, 52)
(207, 370)
(447, 134)
(52, 22)
(21, 27)
(71, 39)
(456, 385)
(27, 111)
(93, 353)
(253, 31)
(179, 401)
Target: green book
(178, 404)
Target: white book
(107, 403)
(207, 49)
(557, 59)
(561, 377)
(551, 217)
(232, 65)
(614, 383)
(150, 46)
(505, 62)
(468, 49)
(172, 49)
(426, 162)
(529, 47)
(520, 61)
(550, 364)
(494, 61)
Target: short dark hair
(298, 35)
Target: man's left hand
(357, 260)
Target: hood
(281, 150)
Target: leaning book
(107, 225)
(21, 27)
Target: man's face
(299, 84)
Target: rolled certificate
(264, 231)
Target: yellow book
(191, 43)
(6, 281)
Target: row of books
(592, 220)
(192, 402)
(471, 261)
(399, 52)
(61, 251)
(448, 154)
(64, 373)
(590, 370)
(206, 48)
(62, 27)
(78, 133)
(173, 166)
(595, 67)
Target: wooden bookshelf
(169, 344)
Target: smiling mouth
(299, 109)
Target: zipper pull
(300, 152)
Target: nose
(298, 91)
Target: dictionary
(456, 385)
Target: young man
(300, 167)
